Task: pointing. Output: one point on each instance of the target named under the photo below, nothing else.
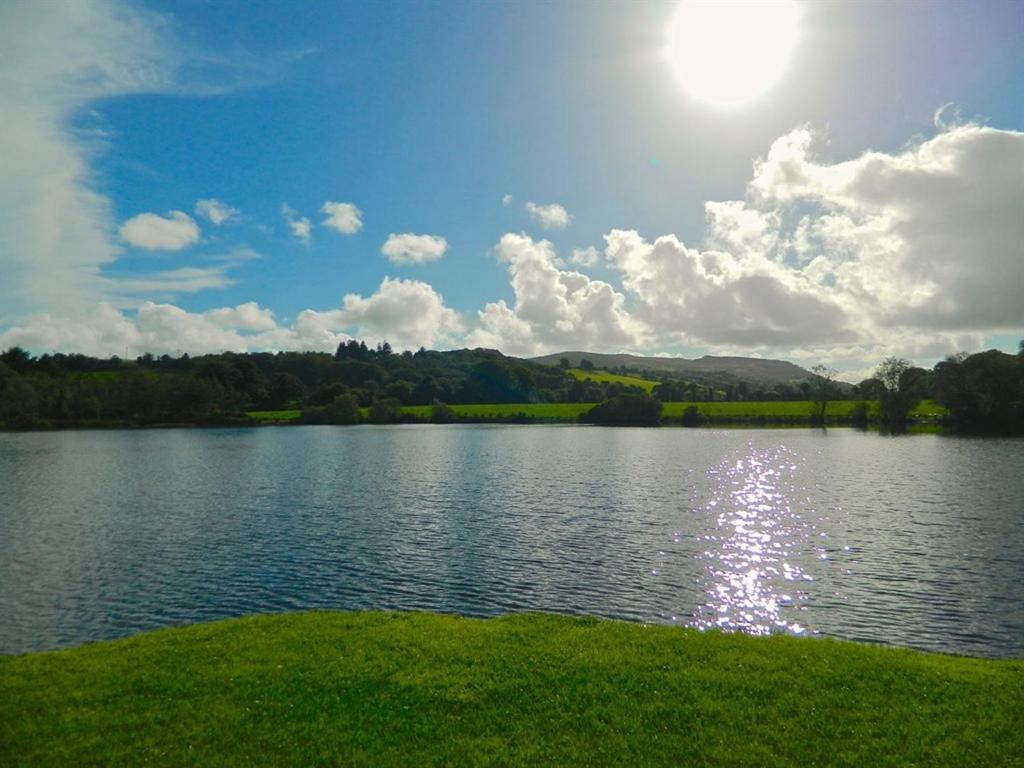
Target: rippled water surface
(916, 541)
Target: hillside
(704, 369)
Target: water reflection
(107, 533)
(755, 581)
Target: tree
(895, 402)
(17, 359)
(823, 384)
(627, 410)
(441, 413)
(586, 365)
(564, 361)
(384, 411)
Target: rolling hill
(704, 369)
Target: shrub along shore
(767, 413)
(530, 689)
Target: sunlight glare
(729, 52)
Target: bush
(859, 415)
(627, 410)
(441, 413)
(344, 409)
(384, 411)
(691, 416)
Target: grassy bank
(422, 689)
(749, 412)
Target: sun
(728, 52)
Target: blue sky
(447, 119)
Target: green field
(539, 411)
(603, 376)
(570, 412)
(422, 689)
(274, 416)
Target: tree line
(983, 392)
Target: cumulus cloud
(927, 239)
(506, 200)
(215, 211)
(407, 313)
(554, 309)
(345, 218)
(153, 232)
(553, 216)
(585, 257)
(913, 253)
(248, 317)
(300, 225)
(716, 297)
(413, 249)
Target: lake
(915, 541)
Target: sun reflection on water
(753, 577)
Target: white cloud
(554, 309)
(552, 216)
(911, 253)
(215, 211)
(345, 218)
(248, 317)
(167, 283)
(56, 230)
(506, 200)
(586, 257)
(714, 297)
(413, 249)
(159, 233)
(300, 225)
(407, 313)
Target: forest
(982, 392)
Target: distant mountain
(705, 369)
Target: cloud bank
(915, 252)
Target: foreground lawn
(422, 689)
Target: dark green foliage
(984, 392)
(859, 414)
(420, 689)
(442, 413)
(384, 411)
(896, 399)
(586, 365)
(75, 390)
(635, 410)
(691, 416)
(344, 409)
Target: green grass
(540, 411)
(601, 376)
(568, 412)
(421, 689)
(274, 416)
